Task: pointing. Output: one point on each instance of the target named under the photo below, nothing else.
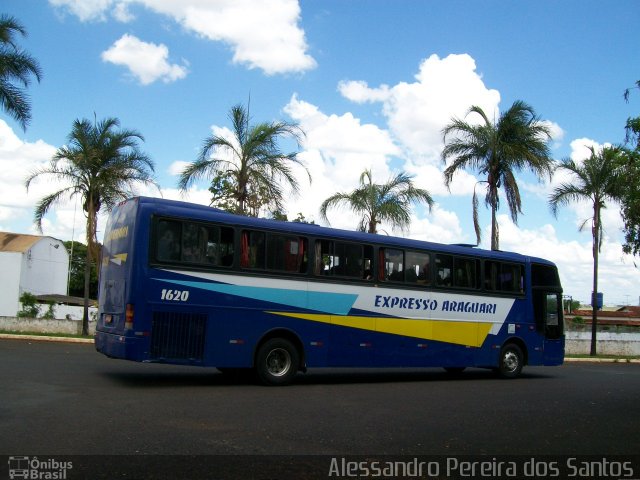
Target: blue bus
(189, 284)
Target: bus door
(547, 309)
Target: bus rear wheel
(511, 361)
(277, 362)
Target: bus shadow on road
(355, 376)
(212, 378)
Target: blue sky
(372, 82)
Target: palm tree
(595, 180)
(249, 165)
(389, 202)
(16, 66)
(498, 150)
(101, 165)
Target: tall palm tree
(388, 202)
(250, 164)
(16, 66)
(498, 150)
(102, 164)
(595, 180)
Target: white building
(30, 263)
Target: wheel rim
(278, 362)
(510, 361)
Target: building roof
(56, 298)
(17, 242)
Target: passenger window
(219, 246)
(394, 265)
(252, 254)
(287, 253)
(168, 245)
(343, 259)
(193, 238)
(465, 273)
(418, 268)
(504, 277)
(444, 270)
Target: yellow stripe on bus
(458, 332)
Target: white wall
(45, 268)
(10, 263)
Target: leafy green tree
(376, 203)
(629, 198)
(629, 164)
(101, 165)
(16, 69)
(246, 170)
(594, 180)
(517, 141)
(76, 270)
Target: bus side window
(191, 249)
(418, 268)
(286, 253)
(444, 268)
(219, 246)
(503, 277)
(168, 244)
(394, 265)
(253, 254)
(368, 263)
(322, 261)
(465, 272)
(343, 259)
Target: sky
(371, 82)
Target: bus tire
(277, 362)
(511, 361)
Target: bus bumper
(119, 346)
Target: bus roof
(202, 212)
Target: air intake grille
(178, 336)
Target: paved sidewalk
(45, 338)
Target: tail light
(128, 317)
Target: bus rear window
(193, 243)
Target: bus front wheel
(277, 362)
(511, 361)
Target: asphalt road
(66, 399)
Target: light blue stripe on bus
(335, 303)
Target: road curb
(601, 360)
(43, 338)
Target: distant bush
(50, 314)
(578, 320)
(30, 307)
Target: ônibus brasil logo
(36, 469)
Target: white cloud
(617, 273)
(337, 149)
(18, 160)
(147, 62)
(263, 35)
(440, 226)
(94, 10)
(177, 167)
(556, 132)
(359, 92)
(417, 112)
